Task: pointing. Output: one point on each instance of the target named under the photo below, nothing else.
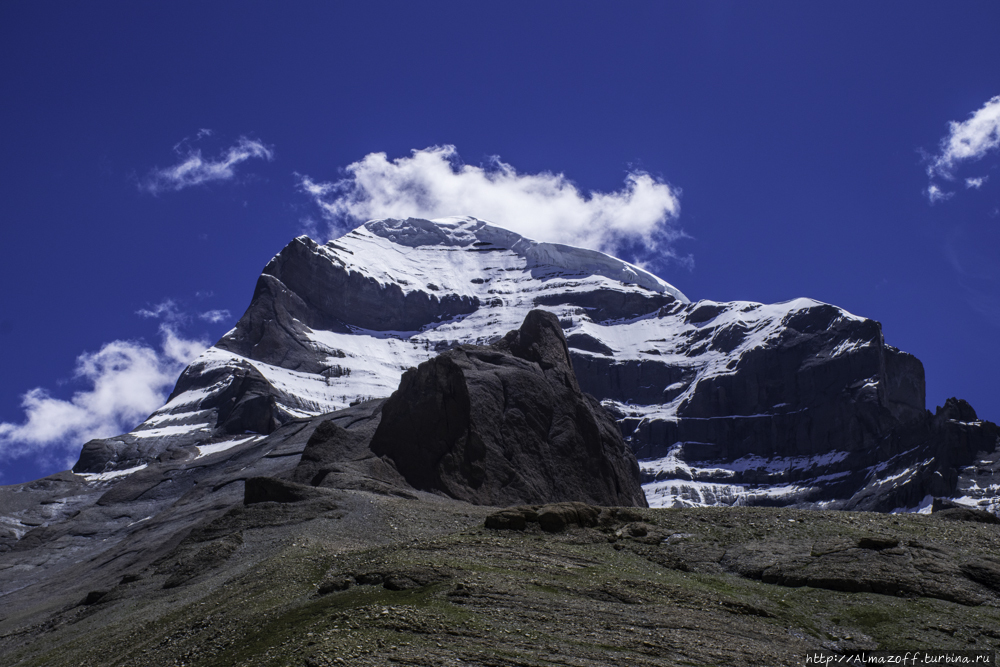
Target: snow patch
(105, 476)
(177, 429)
(215, 448)
(923, 507)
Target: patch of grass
(870, 616)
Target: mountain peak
(472, 233)
(724, 402)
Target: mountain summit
(735, 403)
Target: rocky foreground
(353, 577)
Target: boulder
(557, 517)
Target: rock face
(738, 403)
(797, 403)
(507, 424)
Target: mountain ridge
(726, 402)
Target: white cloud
(968, 140)
(936, 194)
(126, 380)
(432, 183)
(976, 182)
(193, 169)
(214, 316)
(166, 309)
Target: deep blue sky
(794, 131)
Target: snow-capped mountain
(724, 403)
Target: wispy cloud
(936, 194)
(214, 316)
(433, 183)
(126, 381)
(171, 313)
(166, 310)
(194, 169)
(967, 141)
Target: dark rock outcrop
(337, 455)
(552, 518)
(909, 570)
(507, 424)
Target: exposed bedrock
(643, 382)
(506, 425)
(606, 304)
(247, 403)
(824, 384)
(238, 400)
(304, 287)
(825, 391)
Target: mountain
(739, 403)
(428, 434)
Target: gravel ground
(363, 579)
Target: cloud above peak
(967, 141)
(434, 183)
(194, 169)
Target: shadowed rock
(507, 424)
(269, 489)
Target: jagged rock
(955, 409)
(878, 543)
(338, 457)
(507, 424)
(334, 584)
(93, 597)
